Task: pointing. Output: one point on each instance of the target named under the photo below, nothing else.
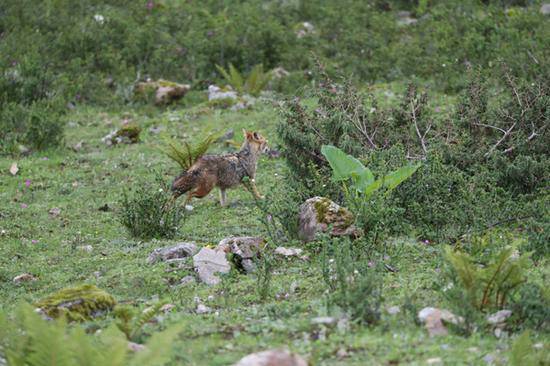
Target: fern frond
(48, 342)
(157, 351)
(203, 146)
(115, 347)
(224, 73)
(521, 351)
(144, 318)
(257, 80)
(185, 154)
(232, 77)
(86, 351)
(237, 81)
(124, 314)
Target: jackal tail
(185, 182)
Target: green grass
(79, 183)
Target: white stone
(208, 262)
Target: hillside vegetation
(404, 217)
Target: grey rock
(443, 314)
(86, 248)
(78, 146)
(325, 320)
(244, 249)
(317, 214)
(187, 280)
(393, 310)
(279, 73)
(433, 319)
(178, 251)
(208, 262)
(545, 9)
(434, 361)
(155, 130)
(215, 92)
(24, 277)
(305, 29)
(55, 211)
(490, 358)
(407, 21)
(23, 150)
(228, 135)
(135, 347)
(288, 252)
(405, 18)
(166, 308)
(275, 357)
(203, 309)
(499, 317)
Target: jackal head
(255, 141)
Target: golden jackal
(223, 171)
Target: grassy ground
(79, 183)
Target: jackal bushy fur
(222, 171)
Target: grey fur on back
(230, 169)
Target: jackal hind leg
(223, 197)
(201, 191)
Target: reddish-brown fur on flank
(223, 171)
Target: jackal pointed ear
(246, 134)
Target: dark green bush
(36, 126)
(147, 212)
(85, 50)
(473, 177)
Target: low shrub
(149, 212)
(37, 126)
(353, 284)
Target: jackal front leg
(255, 189)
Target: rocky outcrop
(174, 252)
(244, 249)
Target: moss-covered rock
(318, 214)
(127, 134)
(130, 132)
(163, 91)
(77, 303)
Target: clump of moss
(330, 213)
(321, 207)
(77, 303)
